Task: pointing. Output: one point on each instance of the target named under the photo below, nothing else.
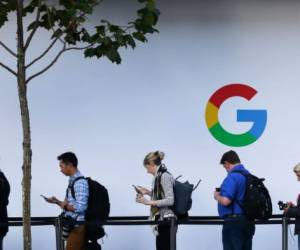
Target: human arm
(144, 191)
(167, 188)
(222, 199)
(81, 191)
(292, 210)
(228, 191)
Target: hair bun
(161, 155)
(155, 157)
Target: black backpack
(4, 200)
(183, 196)
(98, 209)
(257, 203)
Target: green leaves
(66, 20)
(109, 38)
(139, 36)
(113, 55)
(6, 6)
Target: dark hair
(68, 158)
(154, 157)
(231, 157)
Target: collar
(237, 167)
(156, 172)
(73, 177)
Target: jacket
(4, 196)
(295, 213)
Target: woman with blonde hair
(161, 196)
(293, 210)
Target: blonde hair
(154, 157)
(297, 168)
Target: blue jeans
(237, 234)
(298, 241)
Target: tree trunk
(27, 153)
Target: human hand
(141, 199)
(143, 190)
(290, 204)
(216, 195)
(52, 200)
(63, 204)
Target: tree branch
(43, 54)
(35, 26)
(8, 49)
(8, 68)
(64, 49)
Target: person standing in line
(74, 207)
(161, 197)
(238, 230)
(4, 199)
(293, 210)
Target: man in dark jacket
(294, 211)
(4, 194)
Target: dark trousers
(1, 243)
(163, 238)
(237, 234)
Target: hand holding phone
(136, 189)
(52, 200)
(45, 198)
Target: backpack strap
(71, 187)
(196, 186)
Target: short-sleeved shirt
(233, 188)
(80, 202)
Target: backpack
(4, 190)
(4, 200)
(97, 211)
(257, 202)
(183, 196)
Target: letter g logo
(258, 117)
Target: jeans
(237, 234)
(299, 242)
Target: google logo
(258, 117)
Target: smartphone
(136, 189)
(45, 198)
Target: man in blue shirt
(74, 207)
(238, 231)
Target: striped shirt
(80, 202)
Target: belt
(233, 216)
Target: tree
(66, 22)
